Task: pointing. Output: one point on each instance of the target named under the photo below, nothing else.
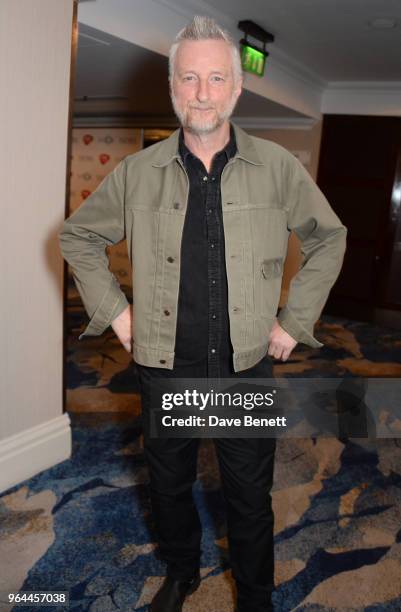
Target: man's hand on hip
(280, 343)
(122, 326)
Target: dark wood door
(359, 172)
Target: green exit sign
(253, 60)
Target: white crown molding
(252, 123)
(366, 86)
(116, 121)
(276, 123)
(38, 448)
(382, 98)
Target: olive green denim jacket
(266, 193)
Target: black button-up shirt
(202, 320)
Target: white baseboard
(36, 449)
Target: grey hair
(205, 28)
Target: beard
(192, 120)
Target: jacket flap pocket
(272, 267)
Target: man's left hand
(281, 344)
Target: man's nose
(203, 90)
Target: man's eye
(189, 78)
(217, 78)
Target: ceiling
(120, 78)
(332, 38)
(325, 57)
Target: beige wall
(35, 57)
(295, 140)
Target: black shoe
(171, 595)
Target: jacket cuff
(113, 303)
(297, 331)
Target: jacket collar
(230, 149)
(168, 149)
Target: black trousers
(246, 468)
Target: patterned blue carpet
(85, 525)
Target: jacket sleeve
(323, 243)
(84, 236)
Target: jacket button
(167, 312)
(176, 205)
(162, 361)
(170, 259)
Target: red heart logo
(87, 139)
(85, 193)
(104, 158)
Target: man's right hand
(122, 326)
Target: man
(207, 214)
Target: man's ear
(238, 86)
(171, 83)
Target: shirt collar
(230, 149)
(166, 151)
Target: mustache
(202, 107)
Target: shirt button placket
(204, 224)
(214, 276)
